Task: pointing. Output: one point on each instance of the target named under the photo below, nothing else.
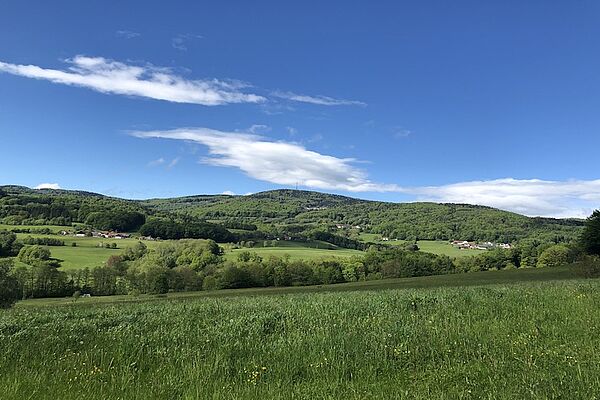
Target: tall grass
(533, 340)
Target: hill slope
(397, 220)
(294, 211)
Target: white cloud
(290, 164)
(401, 133)
(173, 162)
(48, 186)
(258, 128)
(179, 42)
(127, 34)
(157, 162)
(108, 76)
(228, 193)
(533, 197)
(276, 162)
(318, 100)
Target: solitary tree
(590, 239)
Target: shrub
(589, 267)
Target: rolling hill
(293, 211)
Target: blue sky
(492, 103)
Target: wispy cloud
(533, 197)
(157, 162)
(229, 193)
(289, 164)
(259, 128)
(276, 162)
(401, 133)
(48, 186)
(179, 42)
(108, 76)
(318, 99)
(173, 162)
(127, 34)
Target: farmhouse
(464, 244)
(110, 235)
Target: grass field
(429, 246)
(295, 250)
(534, 340)
(445, 248)
(88, 252)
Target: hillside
(429, 221)
(292, 211)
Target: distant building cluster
(346, 226)
(465, 245)
(97, 234)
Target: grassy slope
(526, 340)
(88, 252)
(445, 248)
(427, 246)
(295, 250)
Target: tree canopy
(590, 238)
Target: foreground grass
(524, 340)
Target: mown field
(89, 251)
(440, 247)
(295, 250)
(534, 339)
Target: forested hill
(394, 220)
(286, 211)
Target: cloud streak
(113, 77)
(288, 163)
(179, 42)
(533, 197)
(318, 100)
(127, 34)
(276, 162)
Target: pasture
(440, 247)
(502, 341)
(445, 248)
(88, 252)
(295, 250)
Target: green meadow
(295, 251)
(445, 248)
(440, 247)
(88, 252)
(534, 339)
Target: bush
(589, 266)
(554, 256)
